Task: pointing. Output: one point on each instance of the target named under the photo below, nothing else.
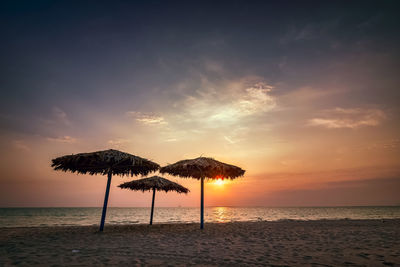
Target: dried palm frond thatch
(203, 168)
(105, 162)
(102, 162)
(155, 183)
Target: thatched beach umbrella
(105, 162)
(201, 168)
(154, 183)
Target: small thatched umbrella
(105, 162)
(201, 168)
(154, 183)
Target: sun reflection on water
(220, 215)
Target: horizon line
(228, 206)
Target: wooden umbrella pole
(103, 215)
(152, 206)
(202, 204)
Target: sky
(303, 95)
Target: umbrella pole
(152, 206)
(202, 204)
(103, 215)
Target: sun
(219, 181)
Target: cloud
(296, 33)
(52, 124)
(147, 118)
(63, 139)
(309, 31)
(348, 118)
(118, 142)
(236, 135)
(20, 145)
(392, 144)
(60, 116)
(226, 104)
(229, 140)
(257, 98)
(225, 109)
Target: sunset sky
(303, 95)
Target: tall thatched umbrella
(154, 183)
(201, 168)
(105, 162)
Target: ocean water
(28, 217)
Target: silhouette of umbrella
(105, 162)
(201, 168)
(154, 183)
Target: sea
(34, 217)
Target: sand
(283, 243)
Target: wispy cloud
(309, 31)
(60, 116)
(229, 140)
(392, 144)
(348, 118)
(146, 118)
(224, 108)
(226, 104)
(118, 143)
(55, 120)
(306, 32)
(20, 145)
(62, 139)
(236, 135)
(256, 98)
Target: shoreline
(198, 223)
(119, 216)
(371, 242)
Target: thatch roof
(101, 162)
(203, 167)
(156, 182)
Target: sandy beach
(283, 243)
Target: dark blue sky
(57, 50)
